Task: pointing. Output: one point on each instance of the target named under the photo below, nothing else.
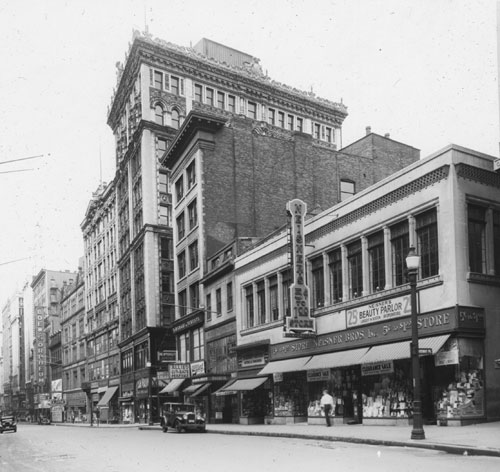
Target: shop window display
(460, 367)
(256, 403)
(290, 395)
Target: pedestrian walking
(327, 405)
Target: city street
(60, 448)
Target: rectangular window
(158, 83)
(281, 119)
(220, 100)
(231, 103)
(290, 120)
(191, 174)
(355, 266)
(193, 256)
(229, 296)
(208, 301)
(249, 306)
(273, 298)
(174, 85)
(496, 242)
(427, 243)
(261, 302)
(194, 296)
(400, 245)
(271, 116)
(181, 264)
(209, 95)
(179, 189)
(376, 259)
(192, 214)
(300, 124)
(182, 303)
(328, 134)
(317, 131)
(347, 189)
(218, 302)
(476, 220)
(181, 227)
(252, 110)
(198, 93)
(318, 282)
(335, 267)
(286, 281)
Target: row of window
(189, 299)
(189, 178)
(217, 308)
(192, 213)
(191, 346)
(183, 266)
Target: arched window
(159, 114)
(175, 119)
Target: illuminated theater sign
(299, 321)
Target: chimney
(368, 130)
(387, 135)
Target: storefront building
(355, 339)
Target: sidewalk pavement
(480, 439)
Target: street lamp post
(150, 393)
(413, 263)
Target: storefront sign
(167, 356)
(251, 361)
(471, 318)
(189, 322)
(179, 371)
(376, 368)
(198, 368)
(300, 319)
(391, 308)
(318, 375)
(429, 324)
(278, 377)
(448, 354)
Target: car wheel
(178, 427)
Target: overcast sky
(424, 71)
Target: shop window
(249, 306)
(318, 282)
(355, 267)
(261, 302)
(400, 245)
(427, 241)
(335, 266)
(477, 238)
(229, 296)
(273, 298)
(376, 260)
(347, 189)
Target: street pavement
(480, 439)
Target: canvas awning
(286, 365)
(108, 394)
(337, 359)
(191, 388)
(401, 350)
(173, 386)
(201, 388)
(246, 384)
(224, 389)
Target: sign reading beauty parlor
(299, 320)
(383, 310)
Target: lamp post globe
(413, 264)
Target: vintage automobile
(182, 417)
(8, 423)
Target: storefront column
(365, 265)
(387, 258)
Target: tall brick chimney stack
(368, 130)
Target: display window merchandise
(290, 396)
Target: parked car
(8, 423)
(182, 417)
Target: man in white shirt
(327, 405)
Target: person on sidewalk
(327, 405)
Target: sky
(424, 71)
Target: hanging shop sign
(167, 356)
(376, 368)
(179, 371)
(197, 368)
(299, 320)
(388, 309)
(189, 322)
(278, 377)
(319, 375)
(448, 354)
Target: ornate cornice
(476, 174)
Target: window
(231, 103)
(347, 189)
(193, 255)
(181, 230)
(496, 242)
(286, 281)
(179, 189)
(158, 80)
(192, 215)
(181, 264)
(427, 243)
(281, 119)
(175, 119)
(400, 245)
(161, 147)
(376, 260)
(252, 110)
(191, 174)
(159, 114)
(318, 282)
(208, 301)
(182, 303)
(229, 296)
(335, 266)
(174, 85)
(477, 238)
(163, 183)
(261, 302)
(249, 306)
(271, 116)
(273, 298)
(218, 302)
(198, 344)
(165, 215)
(290, 120)
(300, 124)
(209, 95)
(221, 100)
(194, 296)
(198, 93)
(328, 134)
(317, 131)
(165, 248)
(355, 266)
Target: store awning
(401, 350)
(246, 384)
(336, 359)
(172, 386)
(191, 388)
(202, 388)
(125, 399)
(286, 365)
(224, 389)
(108, 394)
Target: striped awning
(337, 359)
(401, 350)
(286, 365)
